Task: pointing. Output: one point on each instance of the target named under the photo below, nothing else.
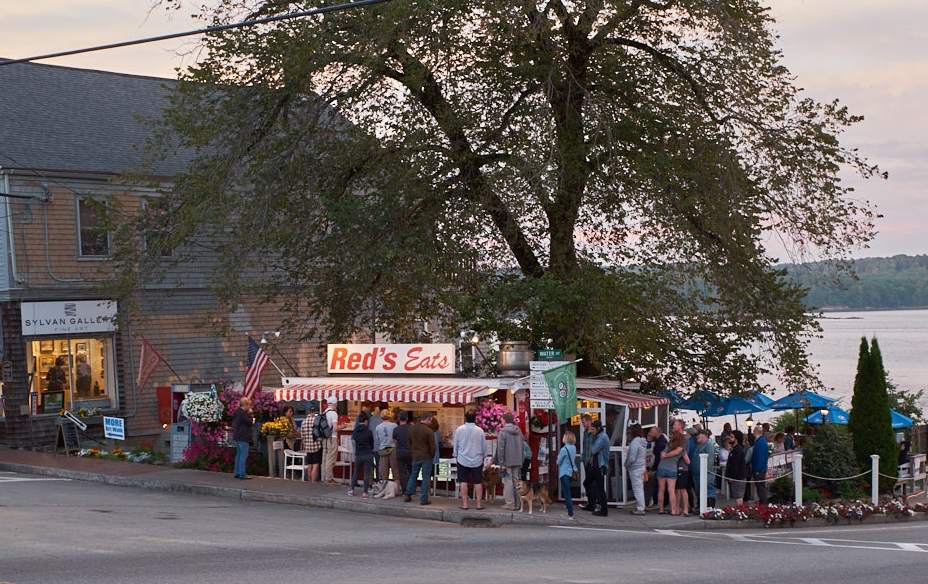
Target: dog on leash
(490, 481)
(529, 492)
(385, 489)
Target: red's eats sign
(396, 359)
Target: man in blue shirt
(759, 464)
(599, 466)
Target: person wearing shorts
(470, 450)
(311, 445)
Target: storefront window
(72, 373)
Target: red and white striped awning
(620, 396)
(383, 391)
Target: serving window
(72, 373)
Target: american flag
(257, 361)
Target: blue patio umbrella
(801, 399)
(900, 420)
(759, 399)
(701, 400)
(732, 405)
(835, 415)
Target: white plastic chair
(294, 461)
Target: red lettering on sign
(354, 360)
(415, 363)
(338, 358)
(389, 361)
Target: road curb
(412, 510)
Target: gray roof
(64, 119)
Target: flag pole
(166, 362)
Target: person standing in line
(363, 454)
(373, 423)
(705, 446)
(635, 464)
(586, 450)
(422, 444)
(242, 422)
(311, 445)
(658, 441)
(566, 467)
(736, 469)
(658, 444)
(329, 439)
(403, 452)
(470, 450)
(759, 465)
(509, 454)
(386, 448)
(599, 465)
(667, 473)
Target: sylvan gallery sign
(399, 359)
(68, 317)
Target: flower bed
(834, 512)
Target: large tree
(593, 175)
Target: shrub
(811, 496)
(782, 490)
(830, 456)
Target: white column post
(797, 477)
(875, 478)
(703, 482)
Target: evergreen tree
(870, 422)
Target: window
(73, 373)
(94, 239)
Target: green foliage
(895, 282)
(870, 422)
(782, 490)
(590, 176)
(811, 496)
(830, 455)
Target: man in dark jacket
(509, 453)
(658, 444)
(422, 444)
(403, 453)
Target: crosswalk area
(13, 477)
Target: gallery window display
(72, 373)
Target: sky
(873, 56)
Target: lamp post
(824, 411)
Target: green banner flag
(562, 385)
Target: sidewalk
(294, 492)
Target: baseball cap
(332, 399)
(597, 424)
(311, 407)
(691, 431)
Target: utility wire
(288, 16)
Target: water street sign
(550, 353)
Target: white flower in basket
(201, 407)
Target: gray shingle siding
(63, 119)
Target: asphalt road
(56, 530)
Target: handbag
(575, 476)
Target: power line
(288, 16)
